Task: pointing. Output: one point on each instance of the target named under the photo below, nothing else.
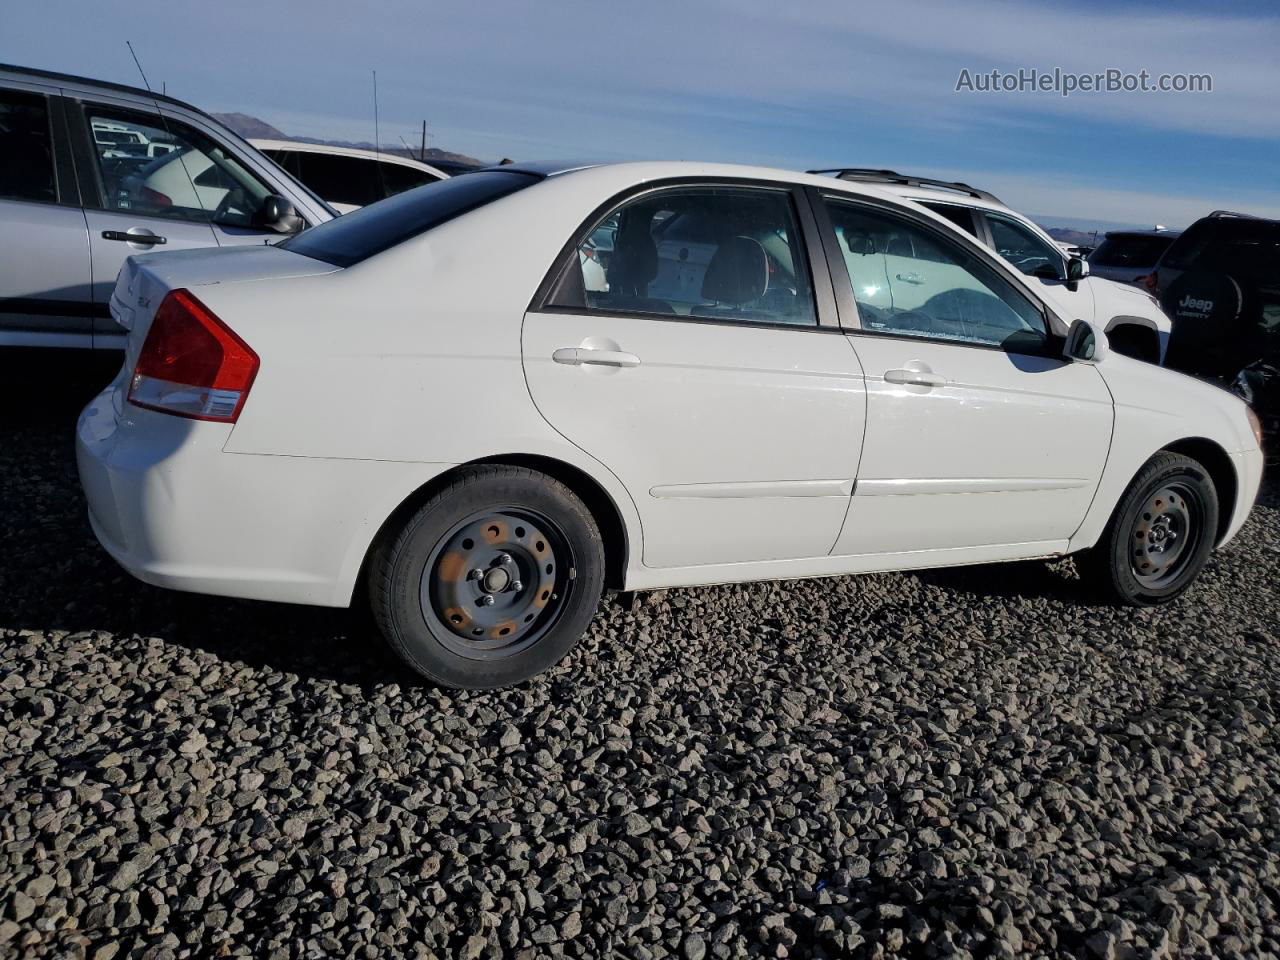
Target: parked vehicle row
(506, 432)
(92, 173)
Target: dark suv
(1220, 284)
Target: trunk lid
(144, 280)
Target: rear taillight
(1148, 281)
(192, 364)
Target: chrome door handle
(145, 238)
(913, 278)
(919, 378)
(587, 355)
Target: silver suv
(1134, 322)
(92, 173)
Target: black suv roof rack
(107, 84)
(1231, 213)
(870, 175)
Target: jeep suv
(92, 173)
(1134, 322)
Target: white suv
(1134, 322)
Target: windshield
(370, 230)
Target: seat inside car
(633, 266)
(738, 274)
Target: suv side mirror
(1077, 269)
(1086, 342)
(278, 214)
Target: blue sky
(819, 83)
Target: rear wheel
(491, 581)
(1160, 535)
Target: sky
(802, 85)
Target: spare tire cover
(1206, 309)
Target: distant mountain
(255, 129)
(1077, 238)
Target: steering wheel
(232, 199)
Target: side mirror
(1077, 269)
(278, 214)
(1086, 342)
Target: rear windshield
(1130, 250)
(359, 235)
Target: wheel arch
(1221, 471)
(613, 529)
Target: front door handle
(912, 278)
(588, 355)
(146, 238)
(918, 378)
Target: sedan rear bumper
(176, 511)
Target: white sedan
(427, 400)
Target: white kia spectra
(485, 400)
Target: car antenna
(165, 120)
(377, 148)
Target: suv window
(726, 253)
(397, 178)
(1130, 250)
(26, 148)
(1021, 247)
(159, 168)
(910, 282)
(350, 180)
(962, 217)
(363, 233)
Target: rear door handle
(914, 278)
(147, 238)
(919, 378)
(587, 355)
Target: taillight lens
(192, 364)
(1150, 281)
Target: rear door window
(716, 253)
(26, 148)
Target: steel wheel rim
(496, 583)
(1166, 533)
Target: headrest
(634, 261)
(738, 273)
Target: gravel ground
(966, 763)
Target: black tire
(1160, 535)
(545, 566)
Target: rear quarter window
(370, 230)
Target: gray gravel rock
(971, 763)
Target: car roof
(304, 147)
(71, 80)
(626, 173)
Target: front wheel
(1160, 535)
(490, 582)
